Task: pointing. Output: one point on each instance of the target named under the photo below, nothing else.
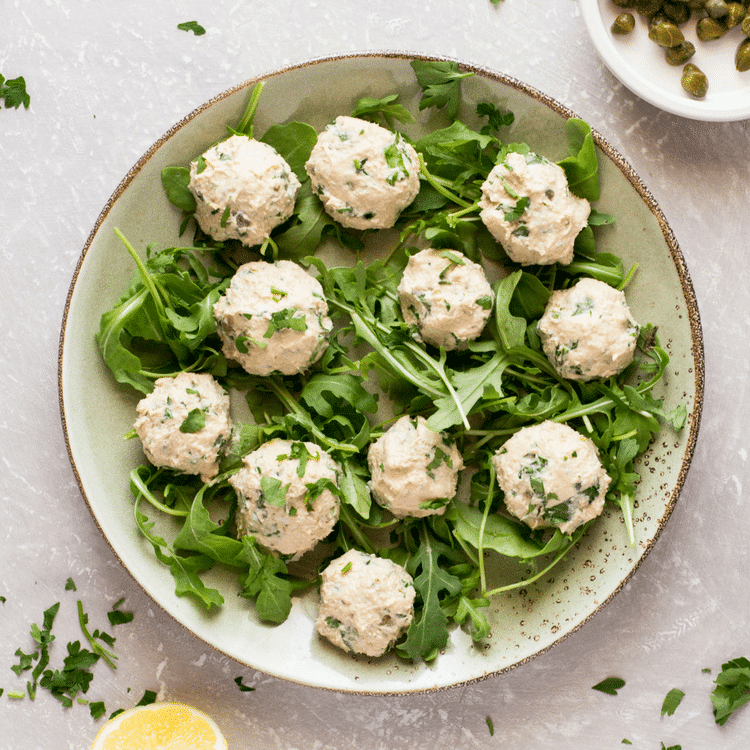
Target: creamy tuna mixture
(587, 331)
(366, 603)
(529, 209)
(551, 475)
(273, 317)
(446, 295)
(287, 496)
(243, 190)
(364, 174)
(414, 470)
(184, 423)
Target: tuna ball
(364, 174)
(366, 603)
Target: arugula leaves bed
(374, 371)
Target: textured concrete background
(106, 80)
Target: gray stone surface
(106, 80)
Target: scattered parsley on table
(13, 91)
(193, 26)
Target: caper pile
(713, 19)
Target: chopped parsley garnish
(13, 91)
(671, 701)
(194, 421)
(518, 210)
(243, 688)
(289, 317)
(610, 685)
(193, 26)
(732, 688)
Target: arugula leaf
(193, 26)
(13, 92)
(294, 142)
(441, 84)
(581, 165)
(732, 689)
(428, 632)
(176, 181)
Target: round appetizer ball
(414, 470)
(588, 331)
(184, 423)
(551, 475)
(285, 498)
(243, 190)
(366, 603)
(528, 208)
(364, 174)
(447, 296)
(273, 317)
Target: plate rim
(693, 315)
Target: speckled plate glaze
(639, 64)
(96, 412)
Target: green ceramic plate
(96, 412)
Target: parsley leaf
(243, 688)
(732, 688)
(13, 91)
(194, 421)
(441, 84)
(671, 701)
(193, 26)
(610, 685)
(369, 108)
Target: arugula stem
(526, 581)
(246, 123)
(437, 184)
(485, 514)
(144, 491)
(354, 529)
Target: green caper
(694, 81)
(680, 54)
(696, 5)
(742, 56)
(666, 34)
(745, 25)
(709, 28)
(623, 24)
(736, 13)
(676, 11)
(717, 8)
(624, 4)
(647, 7)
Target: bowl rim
(693, 315)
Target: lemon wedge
(160, 726)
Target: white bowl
(639, 64)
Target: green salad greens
(482, 395)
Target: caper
(716, 8)
(676, 11)
(745, 26)
(680, 54)
(647, 7)
(694, 81)
(742, 56)
(736, 13)
(696, 5)
(623, 24)
(666, 34)
(624, 4)
(709, 28)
